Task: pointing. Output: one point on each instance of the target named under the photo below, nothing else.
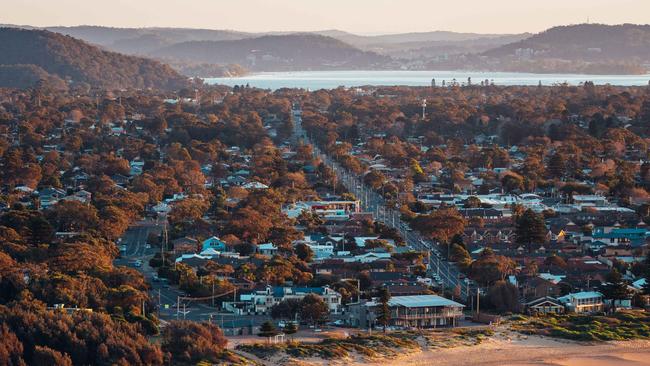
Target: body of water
(315, 80)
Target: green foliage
(267, 330)
(622, 325)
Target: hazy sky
(361, 16)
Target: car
(155, 278)
(165, 285)
(147, 246)
(138, 263)
(123, 248)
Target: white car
(147, 246)
(138, 263)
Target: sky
(358, 16)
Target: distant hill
(585, 42)
(426, 44)
(435, 36)
(144, 40)
(76, 61)
(302, 51)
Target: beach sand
(507, 348)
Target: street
(372, 202)
(167, 296)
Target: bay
(315, 80)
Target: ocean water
(314, 80)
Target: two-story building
(585, 302)
(419, 311)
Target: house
(583, 302)
(255, 185)
(537, 287)
(267, 249)
(50, 196)
(367, 257)
(544, 305)
(329, 210)
(419, 311)
(617, 236)
(213, 243)
(261, 302)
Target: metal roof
(419, 301)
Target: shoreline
(505, 347)
(416, 78)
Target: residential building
(583, 302)
(544, 305)
(261, 302)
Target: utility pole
(424, 109)
(159, 303)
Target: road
(167, 296)
(372, 202)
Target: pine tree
(615, 289)
(267, 330)
(531, 229)
(384, 309)
(290, 328)
(646, 286)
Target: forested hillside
(79, 62)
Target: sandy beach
(505, 348)
(508, 348)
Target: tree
(461, 256)
(555, 260)
(286, 309)
(304, 252)
(192, 342)
(556, 165)
(440, 225)
(504, 296)
(11, 349)
(646, 286)
(472, 202)
(383, 315)
(490, 268)
(530, 229)
(512, 182)
(267, 330)
(48, 356)
(313, 309)
(615, 289)
(290, 328)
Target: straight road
(382, 211)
